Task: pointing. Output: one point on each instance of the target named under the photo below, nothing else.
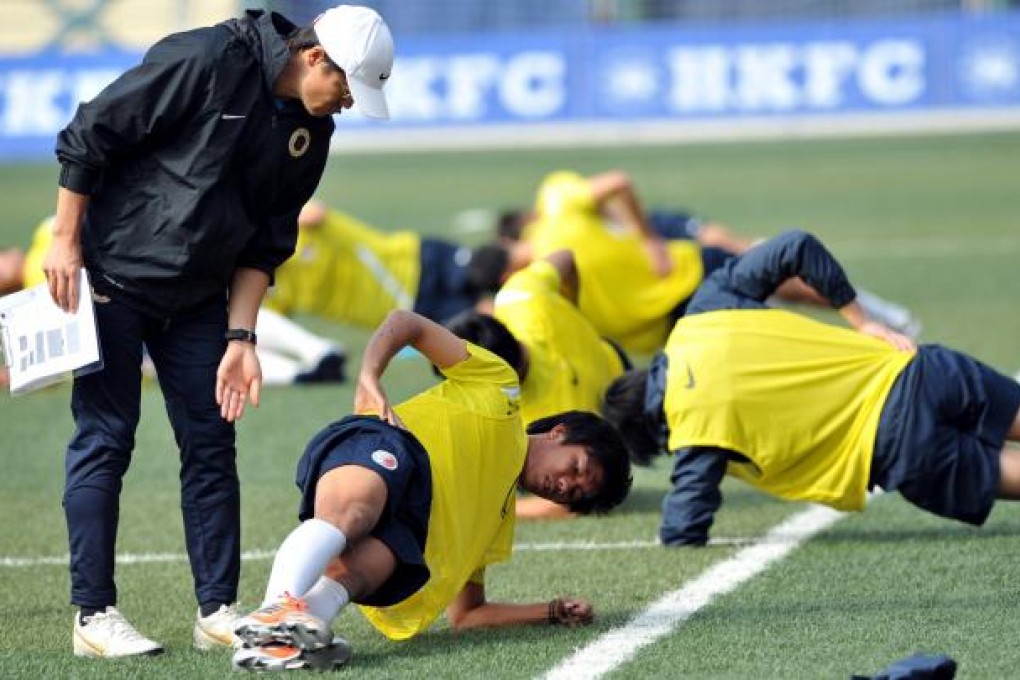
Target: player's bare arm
(471, 610)
(401, 329)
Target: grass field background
(932, 222)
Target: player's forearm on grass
(246, 292)
(498, 614)
(534, 507)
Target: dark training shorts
(674, 225)
(443, 287)
(941, 434)
(712, 258)
(404, 466)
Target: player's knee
(355, 518)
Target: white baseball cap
(359, 42)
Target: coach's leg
(186, 353)
(105, 406)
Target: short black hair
(510, 224)
(605, 446)
(624, 407)
(488, 332)
(304, 38)
(488, 268)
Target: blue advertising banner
(635, 74)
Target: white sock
(302, 557)
(279, 334)
(276, 368)
(326, 598)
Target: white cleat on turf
(217, 629)
(108, 635)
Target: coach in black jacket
(180, 186)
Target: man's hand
(370, 398)
(238, 379)
(62, 266)
(571, 612)
(897, 340)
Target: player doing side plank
(403, 507)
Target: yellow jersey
(620, 292)
(570, 366)
(344, 270)
(32, 270)
(799, 398)
(470, 425)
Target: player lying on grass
(562, 362)
(347, 271)
(402, 510)
(812, 412)
(638, 273)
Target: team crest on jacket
(299, 142)
(384, 459)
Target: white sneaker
(217, 629)
(108, 635)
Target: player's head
(12, 267)
(489, 267)
(577, 459)
(624, 407)
(346, 57)
(488, 332)
(510, 224)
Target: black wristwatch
(241, 334)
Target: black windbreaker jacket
(194, 168)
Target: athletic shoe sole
(298, 634)
(252, 660)
(331, 657)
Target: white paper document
(42, 343)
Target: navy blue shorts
(404, 466)
(712, 258)
(674, 225)
(941, 434)
(443, 287)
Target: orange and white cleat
(271, 657)
(286, 622)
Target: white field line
(617, 646)
(258, 555)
